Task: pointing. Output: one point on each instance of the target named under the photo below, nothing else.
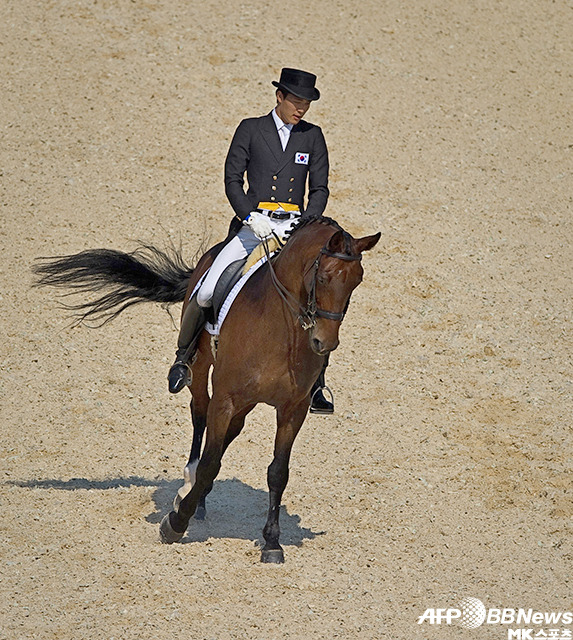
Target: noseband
(308, 316)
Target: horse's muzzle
(321, 348)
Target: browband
(341, 256)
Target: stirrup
(183, 380)
(187, 365)
(322, 411)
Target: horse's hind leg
(289, 423)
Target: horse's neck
(299, 253)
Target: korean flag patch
(301, 158)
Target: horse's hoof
(200, 513)
(272, 556)
(167, 533)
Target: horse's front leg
(174, 524)
(289, 422)
(199, 406)
(220, 433)
(199, 418)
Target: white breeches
(237, 249)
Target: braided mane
(320, 219)
(306, 220)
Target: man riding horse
(278, 152)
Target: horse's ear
(336, 242)
(366, 243)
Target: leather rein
(307, 315)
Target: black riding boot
(318, 403)
(191, 326)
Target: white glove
(259, 224)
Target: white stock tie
(284, 134)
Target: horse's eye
(320, 279)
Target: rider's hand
(259, 224)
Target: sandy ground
(446, 471)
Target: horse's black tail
(146, 274)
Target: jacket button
(274, 177)
(273, 188)
(292, 179)
(290, 199)
(290, 190)
(273, 198)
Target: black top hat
(299, 83)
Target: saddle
(233, 273)
(226, 282)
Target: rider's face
(291, 109)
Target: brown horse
(271, 348)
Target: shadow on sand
(234, 509)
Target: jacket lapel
(271, 136)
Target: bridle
(307, 315)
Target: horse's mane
(306, 220)
(320, 219)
